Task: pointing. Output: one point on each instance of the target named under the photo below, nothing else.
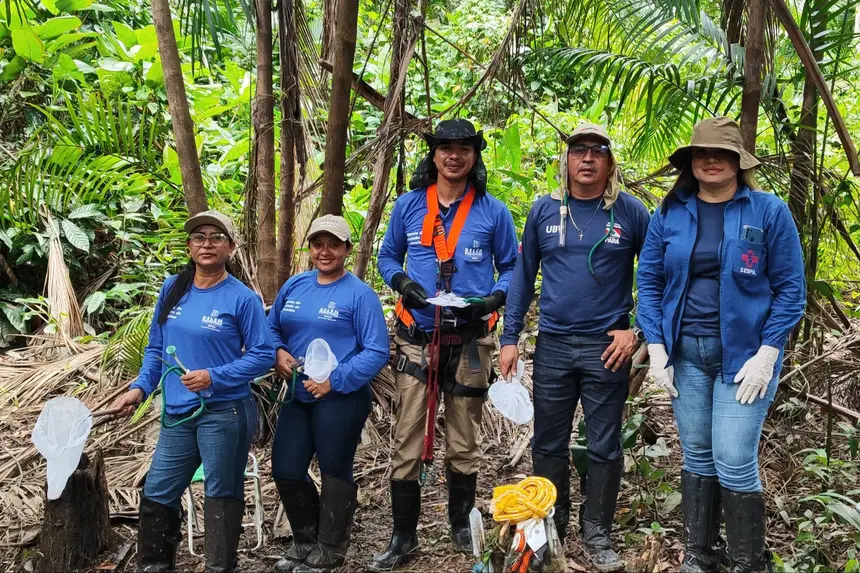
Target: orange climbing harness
(433, 233)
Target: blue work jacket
(487, 246)
(762, 283)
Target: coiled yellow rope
(532, 497)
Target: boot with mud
(701, 506)
(405, 507)
(222, 519)
(157, 537)
(602, 484)
(461, 500)
(337, 509)
(302, 506)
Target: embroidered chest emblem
(750, 260)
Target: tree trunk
(338, 115)
(330, 12)
(76, 527)
(177, 103)
(809, 58)
(404, 41)
(291, 136)
(752, 72)
(802, 169)
(264, 149)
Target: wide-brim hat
(715, 133)
(456, 130)
(214, 218)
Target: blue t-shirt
(702, 306)
(220, 328)
(346, 314)
(571, 300)
(487, 245)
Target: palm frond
(92, 152)
(123, 355)
(211, 21)
(666, 99)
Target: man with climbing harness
(456, 237)
(324, 419)
(585, 341)
(208, 340)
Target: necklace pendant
(580, 235)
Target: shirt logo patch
(613, 236)
(212, 322)
(330, 312)
(291, 305)
(413, 238)
(551, 229)
(476, 253)
(175, 313)
(750, 260)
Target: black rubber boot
(405, 507)
(745, 522)
(701, 506)
(157, 536)
(601, 497)
(461, 500)
(302, 506)
(557, 470)
(222, 519)
(337, 508)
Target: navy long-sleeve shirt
(209, 328)
(571, 300)
(487, 244)
(702, 310)
(346, 314)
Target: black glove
(413, 295)
(481, 307)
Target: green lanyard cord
(291, 389)
(600, 242)
(178, 371)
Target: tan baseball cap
(333, 225)
(584, 129)
(215, 219)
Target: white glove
(663, 377)
(756, 374)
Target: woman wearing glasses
(218, 329)
(325, 419)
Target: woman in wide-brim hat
(721, 286)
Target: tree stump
(76, 527)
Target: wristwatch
(640, 336)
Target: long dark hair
(182, 285)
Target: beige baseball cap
(213, 218)
(585, 129)
(331, 224)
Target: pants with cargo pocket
(462, 413)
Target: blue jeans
(567, 369)
(220, 437)
(719, 435)
(330, 428)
